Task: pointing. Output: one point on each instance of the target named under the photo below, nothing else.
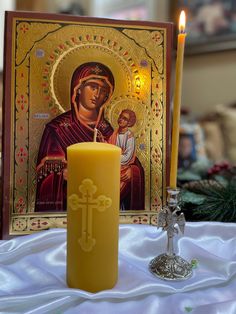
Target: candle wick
(95, 134)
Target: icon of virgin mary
(92, 86)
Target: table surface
(33, 274)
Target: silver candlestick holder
(170, 266)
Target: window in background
(125, 9)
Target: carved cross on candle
(87, 203)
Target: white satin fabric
(33, 274)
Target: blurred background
(208, 121)
(209, 80)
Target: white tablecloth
(33, 274)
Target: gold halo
(65, 65)
(132, 102)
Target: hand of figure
(100, 137)
(126, 176)
(65, 171)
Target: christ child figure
(124, 138)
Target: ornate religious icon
(64, 77)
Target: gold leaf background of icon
(46, 78)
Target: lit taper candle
(177, 101)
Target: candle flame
(182, 22)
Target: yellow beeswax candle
(93, 195)
(177, 102)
